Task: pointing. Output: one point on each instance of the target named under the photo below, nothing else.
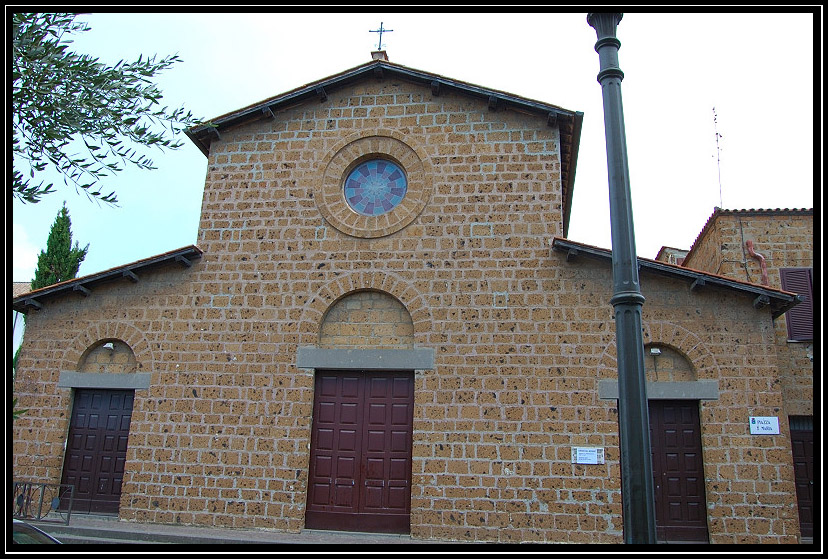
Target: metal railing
(42, 501)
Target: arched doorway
(675, 442)
(361, 438)
(99, 430)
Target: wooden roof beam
(82, 290)
(184, 261)
(761, 301)
(32, 303)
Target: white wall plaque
(584, 455)
(764, 425)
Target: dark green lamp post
(637, 495)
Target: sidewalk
(101, 529)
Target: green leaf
(59, 96)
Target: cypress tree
(60, 261)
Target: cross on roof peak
(380, 31)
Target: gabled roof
(84, 285)
(569, 122)
(719, 212)
(780, 301)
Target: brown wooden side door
(360, 457)
(678, 472)
(96, 448)
(802, 445)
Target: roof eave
(779, 301)
(200, 134)
(84, 285)
(570, 182)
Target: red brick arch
(671, 335)
(122, 331)
(391, 284)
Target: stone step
(142, 534)
(107, 529)
(71, 539)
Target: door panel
(678, 473)
(361, 445)
(802, 446)
(96, 448)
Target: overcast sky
(757, 70)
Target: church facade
(384, 327)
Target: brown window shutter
(800, 319)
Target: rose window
(375, 187)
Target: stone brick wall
(68, 336)
(521, 338)
(118, 358)
(367, 319)
(667, 366)
(749, 491)
(785, 238)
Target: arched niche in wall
(663, 363)
(366, 329)
(367, 319)
(108, 364)
(108, 356)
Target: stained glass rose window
(375, 187)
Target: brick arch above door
(684, 341)
(99, 332)
(108, 356)
(367, 319)
(686, 344)
(315, 311)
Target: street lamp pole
(637, 495)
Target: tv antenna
(380, 31)
(718, 153)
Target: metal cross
(380, 31)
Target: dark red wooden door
(360, 458)
(802, 445)
(678, 474)
(96, 448)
